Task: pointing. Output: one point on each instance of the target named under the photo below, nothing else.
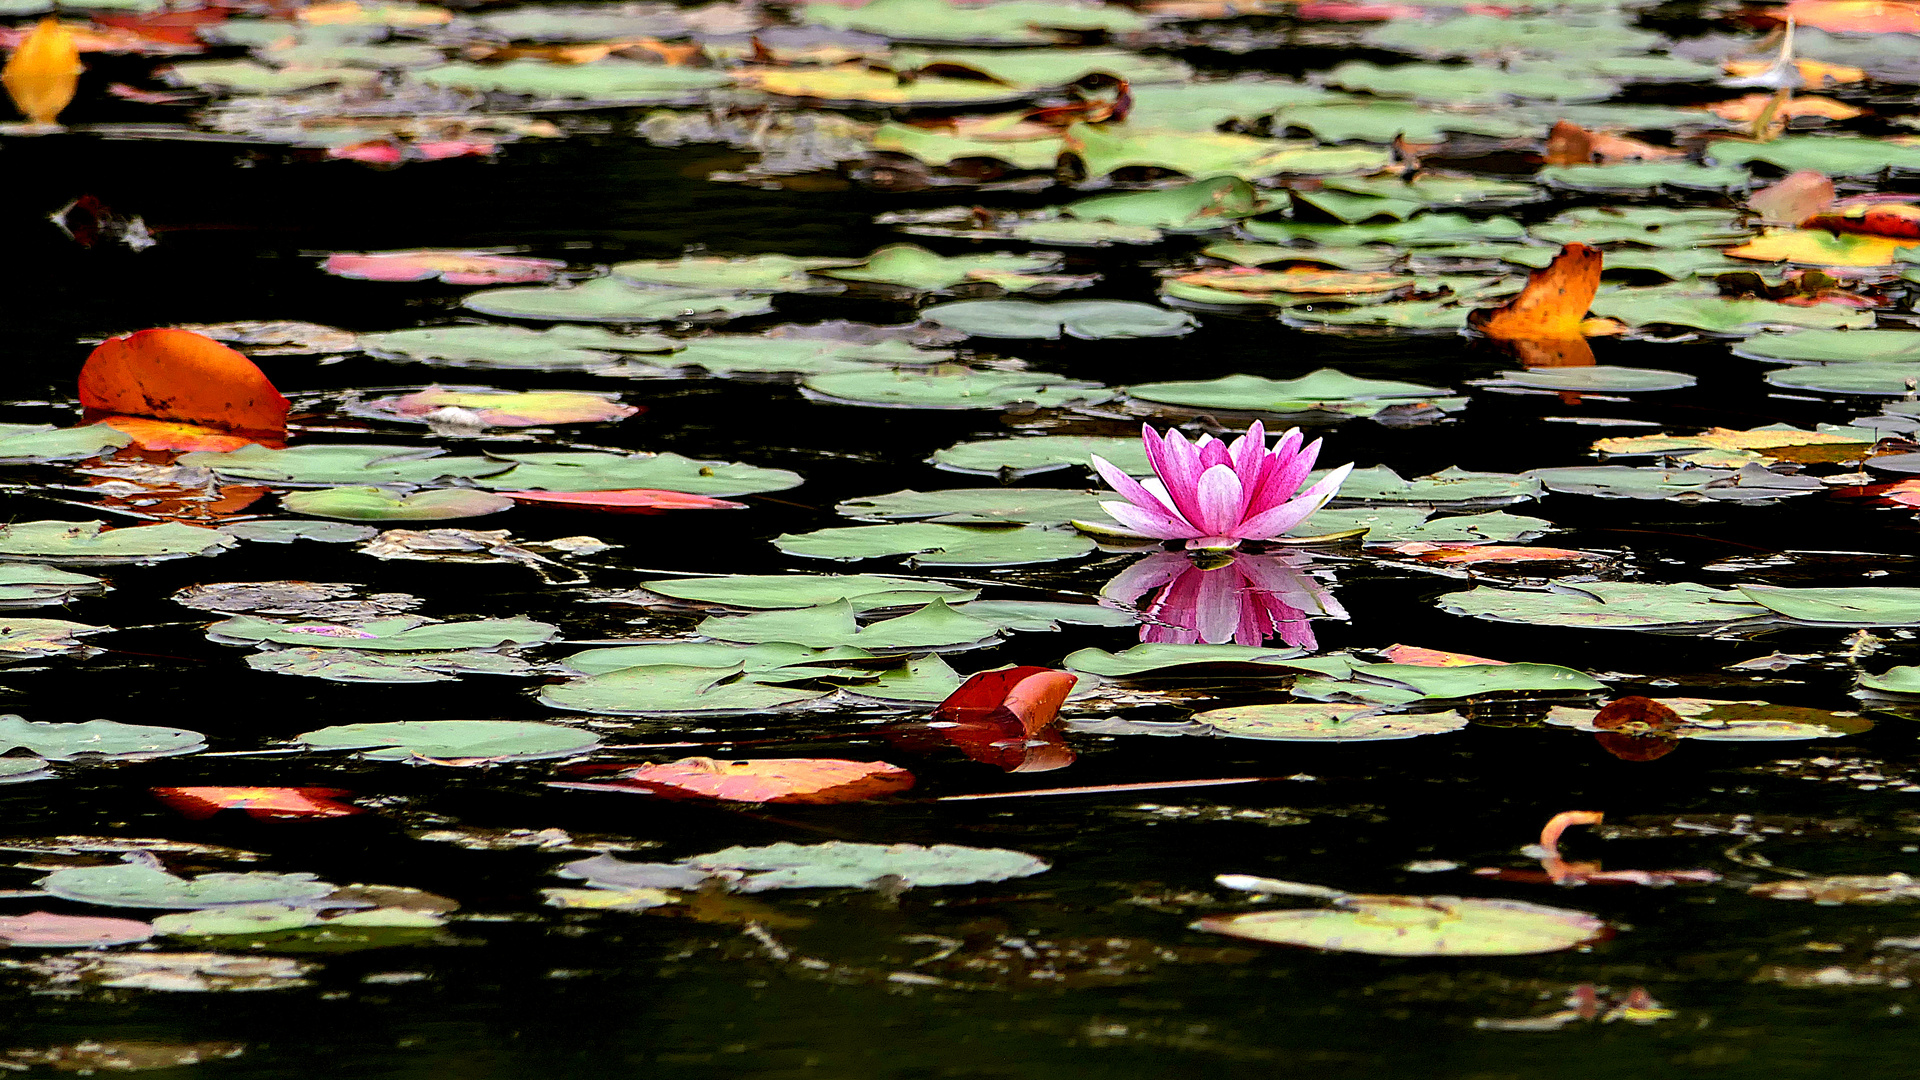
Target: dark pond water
(1088, 970)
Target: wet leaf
(107, 740)
(180, 375)
(1015, 458)
(478, 407)
(44, 929)
(1087, 319)
(1324, 390)
(758, 273)
(379, 504)
(557, 348)
(929, 544)
(1611, 605)
(34, 586)
(401, 633)
(454, 742)
(20, 443)
(1159, 660)
(1553, 303)
(1869, 606)
(354, 666)
(611, 300)
(131, 884)
(578, 471)
(810, 781)
(934, 626)
(1418, 926)
(966, 506)
(627, 501)
(1324, 723)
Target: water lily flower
(1245, 600)
(1213, 495)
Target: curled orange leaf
(1553, 303)
(181, 375)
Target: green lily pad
(107, 739)
(355, 666)
(935, 626)
(1617, 605)
(1477, 85)
(1418, 926)
(1448, 487)
(380, 504)
(840, 864)
(1887, 379)
(1043, 615)
(1835, 155)
(1044, 69)
(344, 463)
(607, 82)
(1643, 176)
(1868, 606)
(1384, 121)
(773, 591)
(235, 920)
(1894, 680)
(758, 273)
(1833, 347)
(1600, 379)
(1205, 106)
(939, 148)
(1006, 22)
(1751, 483)
(25, 443)
(286, 532)
(612, 300)
(1685, 306)
(1325, 723)
(1397, 525)
(1047, 320)
(1171, 660)
(669, 689)
(569, 471)
(973, 506)
(88, 543)
(404, 633)
(938, 545)
(1200, 206)
(1015, 458)
(1645, 226)
(135, 885)
(923, 680)
(558, 348)
(716, 655)
(950, 387)
(34, 586)
(1474, 680)
(247, 77)
(1324, 390)
(1105, 148)
(21, 770)
(732, 354)
(1426, 230)
(913, 267)
(454, 740)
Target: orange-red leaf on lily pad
(43, 72)
(761, 780)
(180, 375)
(625, 500)
(1554, 302)
(1900, 221)
(197, 803)
(501, 408)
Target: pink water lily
(1213, 495)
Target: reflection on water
(1217, 598)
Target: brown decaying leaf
(1553, 303)
(1570, 144)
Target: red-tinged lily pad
(472, 406)
(268, 803)
(151, 434)
(774, 780)
(451, 267)
(181, 375)
(626, 501)
(47, 930)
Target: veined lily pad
(939, 545)
(480, 407)
(910, 266)
(1325, 390)
(935, 626)
(456, 741)
(88, 543)
(839, 864)
(1449, 487)
(950, 387)
(1643, 226)
(1833, 155)
(1599, 379)
(1750, 483)
(672, 689)
(1202, 205)
(1090, 319)
(973, 506)
(108, 739)
(1868, 606)
(1418, 926)
(611, 300)
(380, 504)
(591, 471)
(1015, 458)
(136, 885)
(1685, 306)
(1618, 605)
(558, 348)
(399, 634)
(773, 591)
(1325, 723)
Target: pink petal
(1222, 502)
(1280, 519)
(1129, 488)
(1288, 471)
(1250, 456)
(1146, 523)
(1212, 452)
(1182, 475)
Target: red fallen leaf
(1570, 144)
(443, 149)
(180, 375)
(45, 929)
(269, 803)
(1408, 654)
(624, 501)
(763, 780)
(371, 152)
(153, 434)
(1553, 303)
(1641, 712)
(1030, 695)
(1797, 197)
(1898, 220)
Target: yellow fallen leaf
(42, 73)
(1818, 247)
(1722, 439)
(1745, 110)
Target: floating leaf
(626, 501)
(1608, 604)
(1597, 379)
(454, 742)
(451, 267)
(106, 739)
(611, 300)
(769, 591)
(266, 803)
(1088, 319)
(954, 388)
(766, 780)
(403, 633)
(972, 506)
(1418, 926)
(838, 864)
(44, 929)
(1719, 721)
(131, 884)
(484, 407)
(1015, 458)
(668, 689)
(758, 273)
(580, 471)
(1325, 723)
(1883, 379)
(1869, 606)
(939, 545)
(558, 348)
(934, 626)
(21, 443)
(1833, 346)
(34, 586)
(1156, 659)
(1553, 303)
(180, 375)
(1324, 390)
(345, 463)
(368, 503)
(352, 665)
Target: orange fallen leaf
(1570, 144)
(774, 780)
(1797, 197)
(1817, 247)
(43, 72)
(1410, 654)
(625, 501)
(1812, 72)
(1897, 220)
(1553, 303)
(153, 434)
(180, 375)
(1468, 554)
(259, 802)
(1745, 110)
(1857, 16)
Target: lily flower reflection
(1228, 597)
(1213, 495)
